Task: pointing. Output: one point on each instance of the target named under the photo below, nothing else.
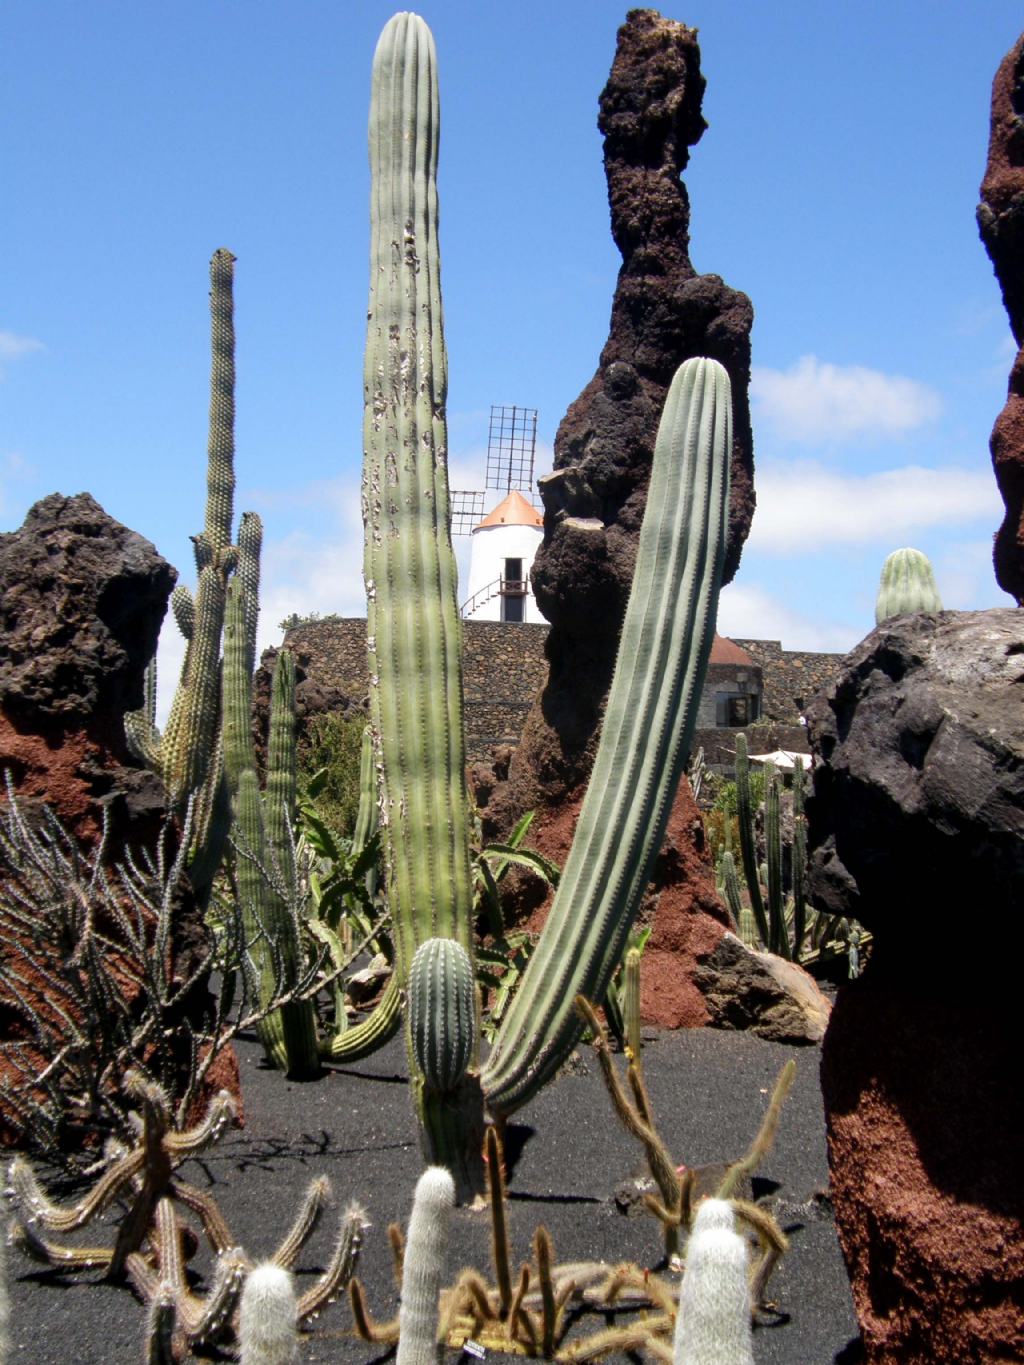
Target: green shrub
(331, 744)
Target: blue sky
(836, 185)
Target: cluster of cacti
(263, 837)
(148, 1249)
(187, 755)
(414, 630)
(770, 918)
(907, 585)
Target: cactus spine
(423, 1268)
(414, 637)
(267, 1321)
(907, 585)
(652, 705)
(713, 1325)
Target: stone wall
(791, 677)
(504, 668)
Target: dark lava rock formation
(663, 313)
(916, 828)
(1001, 223)
(81, 603)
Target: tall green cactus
(778, 923)
(748, 851)
(414, 634)
(649, 718)
(907, 585)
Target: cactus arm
(748, 852)
(652, 705)
(220, 469)
(714, 1321)
(376, 1029)
(250, 543)
(413, 627)
(281, 795)
(907, 585)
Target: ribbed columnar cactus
(713, 1325)
(267, 1320)
(423, 1268)
(651, 709)
(414, 635)
(907, 585)
(748, 850)
(442, 1012)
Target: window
(736, 709)
(513, 591)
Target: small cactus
(267, 1326)
(713, 1325)
(907, 585)
(423, 1267)
(442, 1012)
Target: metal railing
(499, 587)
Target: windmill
(511, 446)
(508, 536)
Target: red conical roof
(513, 510)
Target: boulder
(81, 602)
(1001, 224)
(915, 828)
(761, 993)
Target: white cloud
(13, 347)
(815, 402)
(750, 613)
(803, 506)
(966, 578)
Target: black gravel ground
(709, 1091)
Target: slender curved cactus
(414, 635)
(649, 718)
(378, 1028)
(907, 585)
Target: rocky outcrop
(81, 603)
(761, 994)
(916, 828)
(1001, 223)
(663, 313)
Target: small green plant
(907, 585)
(329, 757)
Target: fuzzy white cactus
(268, 1329)
(423, 1271)
(713, 1326)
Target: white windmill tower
(504, 541)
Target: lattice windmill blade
(511, 445)
(467, 509)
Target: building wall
(729, 679)
(791, 677)
(504, 669)
(489, 548)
